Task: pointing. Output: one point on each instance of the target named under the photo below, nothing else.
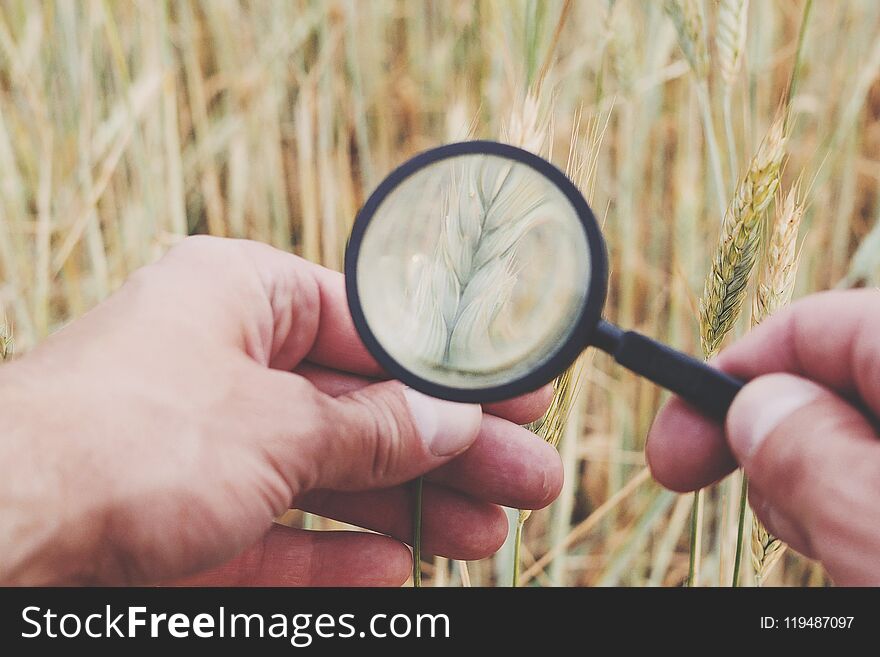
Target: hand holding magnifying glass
(476, 272)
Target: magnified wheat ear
(775, 286)
(738, 247)
(490, 206)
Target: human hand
(804, 429)
(157, 437)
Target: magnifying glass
(477, 272)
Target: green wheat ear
(738, 246)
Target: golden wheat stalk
(725, 287)
(552, 425)
(774, 289)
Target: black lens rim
(568, 350)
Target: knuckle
(381, 435)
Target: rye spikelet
(731, 39)
(725, 286)
(775, 285)
(687, 17)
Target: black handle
(710, 390)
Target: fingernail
(761, 406)
(446, 427)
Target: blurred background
(125, 126)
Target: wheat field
(125, 126)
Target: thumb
(813, 462)
(386, 433)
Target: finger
(777, 525)
(521, 410)
(507, 465)
(687, 450)
(308, 309)
(294, 557)
(829, 338)
(453, 525)
(525, 408)
(815, 462)
(375, 437)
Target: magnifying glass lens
(473, 271)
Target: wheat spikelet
(775, 285)
(730, 39)
(737, 250)
(5, 342)
(552, 425)
(766, 550)
(687, 17)
(776, 279)
(489, 208)
(527, 125)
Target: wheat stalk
(732, 265)
(730, 40)
(487, 210)
(774, 289)
(687, 17)
(581, 168)
(550, 428)
(737, 251)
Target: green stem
(795, 71)
(731, 140)
(517, 542)
(712, 147)
(417, 535)
(743, 496)
(695, 539)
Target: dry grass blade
(738, 248)
(586, 525)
